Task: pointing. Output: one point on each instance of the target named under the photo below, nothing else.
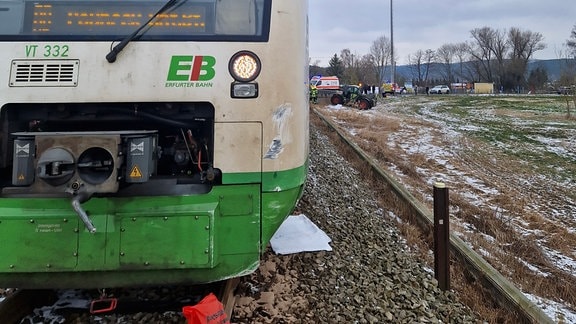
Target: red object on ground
(208, 311)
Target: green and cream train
(148, 142)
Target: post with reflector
(441, 236)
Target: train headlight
(244, 90)
(244, 66)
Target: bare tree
(502, 57)
(421, 65)
(347, 57)
(523, 45)
(481, 52)
(567, 57)
(571, 43)
(429, 58)
(416, 66)
(366, 70)
(350, 62)
(500, 48)
(567, 66)
(461, 53)
(381, 51)
(445, 55)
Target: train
(148, 142)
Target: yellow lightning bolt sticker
(135, 173)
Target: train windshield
(241, 20)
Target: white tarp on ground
(299, 234)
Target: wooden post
(441, 236)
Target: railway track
(315, 284)
(502, 290)
(154, 305)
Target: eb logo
(191, 68)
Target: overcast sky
(423, 24)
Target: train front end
(147, 142)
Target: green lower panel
(144, 241)
(35, 243)
(139, 241)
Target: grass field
(510, 165)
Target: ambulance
(325, 82)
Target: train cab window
(236, 17)
(96, 20)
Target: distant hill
(552, 67)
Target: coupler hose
(77, 201)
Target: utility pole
(393, 72)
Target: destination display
(114, 18)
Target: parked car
(440, 89)
(565, 90)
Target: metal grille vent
(44, 73)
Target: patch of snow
(556, 311)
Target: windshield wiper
(111, 57)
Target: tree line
(496, 56)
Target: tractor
(352, 95)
